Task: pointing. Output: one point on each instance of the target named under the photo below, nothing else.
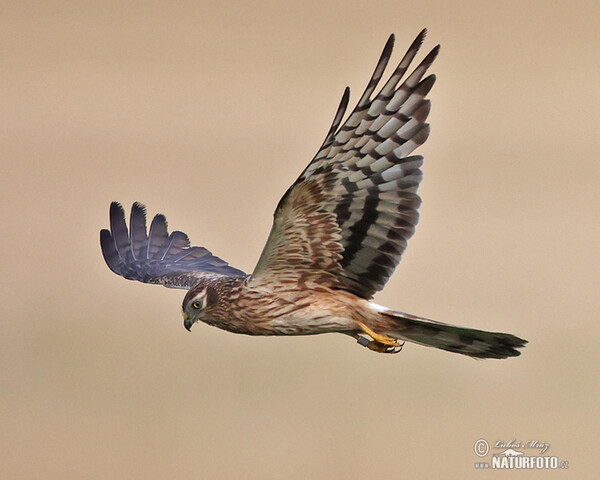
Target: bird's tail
(467, 341)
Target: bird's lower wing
(156, 257)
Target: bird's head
(197, 304)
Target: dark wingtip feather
(378, 72)
(421, 137)
(419, 40)
(387, 52)
(345, 99)
(105, 238)
(339, 114)
(426, 84)
(110, 254)
(160, 221)
(118, 230)
(389, 45)
(158, 237)
(138, 209)
(432, 55)
(139, 205)
(116, 209)
(137, 230)
(422, 112)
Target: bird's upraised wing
(346, 220)
(156, 257)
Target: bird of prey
(338, 234)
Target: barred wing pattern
(366, 183)
(156, 257)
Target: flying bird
(338, 234)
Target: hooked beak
(187, 323)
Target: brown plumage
(338, 234)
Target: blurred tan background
(206, 112)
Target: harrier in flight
(338, 234)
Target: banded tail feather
(466, 341)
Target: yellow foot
(380, 342)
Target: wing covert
(156, 257)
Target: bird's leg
(378, 337)
(381, 343)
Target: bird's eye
(197, 305)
